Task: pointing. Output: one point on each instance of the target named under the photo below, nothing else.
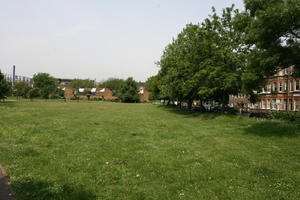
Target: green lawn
(112, 151)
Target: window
(296, 105)
(286, 86)
(275, 86)
(280, 86)
(297, 87)
(291, 85)
(265, 104)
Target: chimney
(14, 76)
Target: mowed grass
(101, 150)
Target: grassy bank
(101, 150)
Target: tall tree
(45, 83)
(227, 56)
(273, 30)
(130, 91)
(4, 87)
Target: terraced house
(281, 92)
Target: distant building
(88, 93)
(281, 92)
(9, 78)
(144, 95)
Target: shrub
(34, 93)
(289, 116)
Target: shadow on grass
(270, 128)
(29, 189)
(7, 103)
(188, 113)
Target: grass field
(101, 150)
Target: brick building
(85, 93)
(144, 95)
(281, 92)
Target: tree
(34, 93)
(273, 31)
(21, 89)
(5, 87)
(205, 62)
(129, 92)
(45, 83)
(114, 84)
(152, 85)
(82, 83)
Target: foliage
(273, 31)
(58, 94)
(152, 85)
(114, 84)
(289, 116)
(34, 93)
(5, 87)
(229, 53)
(129, 92)
(82, 83)
(45, 83)
(21, 89)
(205, 62)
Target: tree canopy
(4, 87)
(129, 92)
(21, 89)
(45, 83)
(273, 31)
(229, 53)
(82, 83)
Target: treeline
(229, 53)
(125, 90)
(45, 86)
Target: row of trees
(44, 86)
(229, 53)
(126, 90)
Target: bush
(34, 93)
(289, 116)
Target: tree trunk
(190, 104)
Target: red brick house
(88, 93)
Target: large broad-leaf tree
(205, 62)
(45, 83)
(226, 59)
(273, 30)
(5, 87)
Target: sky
(94, 39)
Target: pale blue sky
(94, 39)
